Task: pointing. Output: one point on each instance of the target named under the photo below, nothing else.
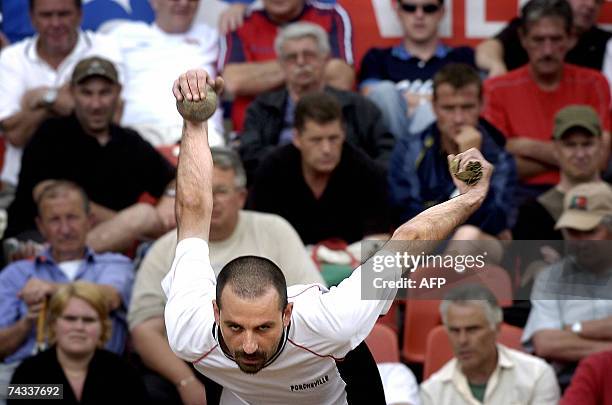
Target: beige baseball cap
(572, 116)
(585, 205)
(94, 66)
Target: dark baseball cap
(94, 66)
(573, 116)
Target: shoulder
(509, 80)
(376, 53)
(265, 221)
(112, 259)
(17, 271)
(440, 377)
(124, 29)
(17, 52)
(583, 74)
(526, 363)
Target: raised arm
(194, 199)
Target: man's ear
(40, 227)
(287, 314)
(216, 311)
(296, 140)
(243, 196)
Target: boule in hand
(200, 110)
(472, 173)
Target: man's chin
(250, 368)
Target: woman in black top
(79, 327)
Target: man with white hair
(484, 371)
(303, 52)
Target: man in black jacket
(303, 49)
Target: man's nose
(250, 344)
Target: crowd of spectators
(317, 150)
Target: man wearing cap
(35, 74)
(577, 146)
(571, 315)
(114, 166)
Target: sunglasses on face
(427, 8)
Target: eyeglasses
(74, 319)
(427, 8)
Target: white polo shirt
(21, 69)
(325, 325)
(154, 59)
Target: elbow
(13, 137)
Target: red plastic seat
(383, 344)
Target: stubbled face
(303, 63)
(283, 10)
(579, 155)
(95, 100)
(587, 247)
(78, 329)
(252, 328)
(228, 200)
(471, 336)
(419, 20)
(546, 43)
(175, 16)
(64, 224)
(586, 13)
(57, 23)
(455, 109)
(320, 145)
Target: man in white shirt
(262, 342)
(155, 54)
(234, 232)
(482, 371)
(35, 73)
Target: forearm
(12, 337)
(247, 79)
(527, 168)
(489, 54)
(194, 183)
(339, 74)
(19, 128)
(439, 221)
(151, 343)
(566, 346)
(599, 329)
(539, 151)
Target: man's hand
(480, 188)
(469, 137)
(3, 41)
(36, 290)
(232, 18)
(33, 98)
(497, 69)
(192, 86)
(64, 104)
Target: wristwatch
(49, 98)
(577, 327)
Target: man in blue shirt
(63, 220)
(398, 79)
(418, 173)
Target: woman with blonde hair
(78, 328)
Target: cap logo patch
(578, 203)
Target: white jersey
(325, 326)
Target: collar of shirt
(47, 257)
(83, 42)
(454, 374)
(400, 52)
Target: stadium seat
(439, 350)
(383, 344)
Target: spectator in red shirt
(522, 103)
(251, 67)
